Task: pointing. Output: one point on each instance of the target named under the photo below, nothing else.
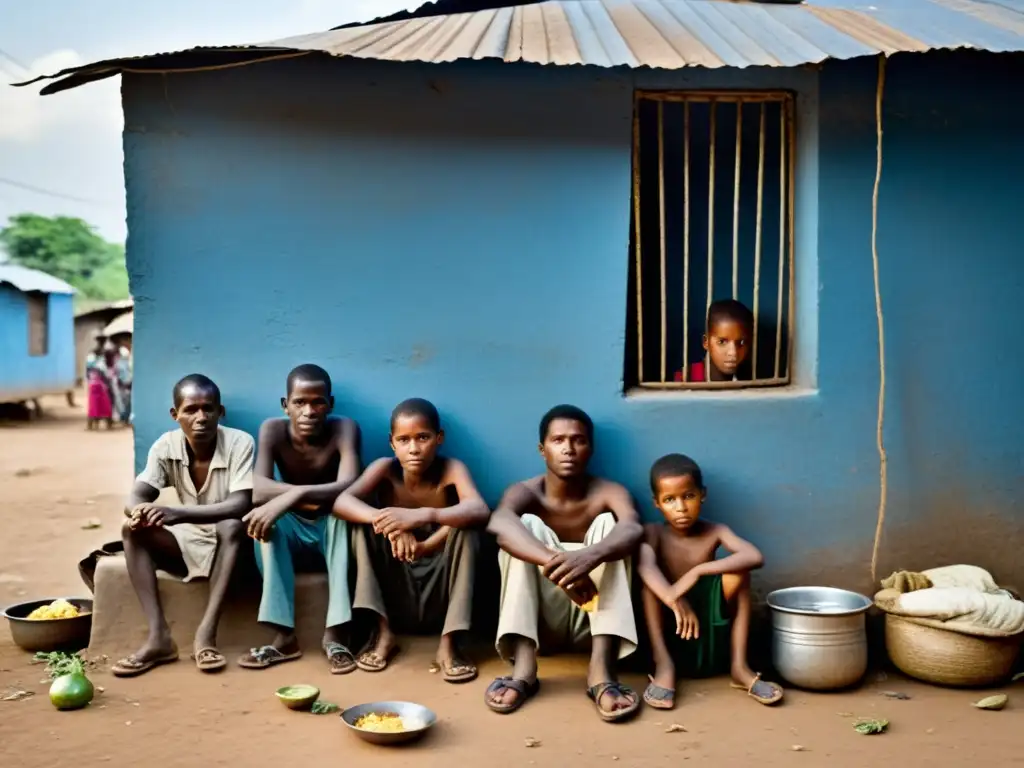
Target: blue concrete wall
(23, 376)
(460, 233)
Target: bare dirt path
(54, 476)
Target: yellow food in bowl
(58, 609)
(381, 722)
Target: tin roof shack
(92, 321)
(454, 207)
(37, 349)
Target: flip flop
(371, 661)
(340, 658)
(761, 691)
(658, 697)
(130, 666)
(613, 716)
(209, 660)
(526, 690)
(458, 671)
(266, 656)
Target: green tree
(70, 249)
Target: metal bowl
(818, 601)
(417, 719)
(50, 634)
(819, 638)
(298, 696)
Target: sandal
(266, 656)
(371, 661)
(209, 660)
(340, 658)
(618, 715)
(130, 666)
(458, 671)
(658, 697)
(761, 691)
(525, 688)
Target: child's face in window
(728, 344)
(679, 499)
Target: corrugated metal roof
(26, 280)
(88, 306)
(662, 34)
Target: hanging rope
(883, 468)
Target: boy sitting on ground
(414, 547)
(727, 338)
(318, 458)
(210, 467)
(691, 591)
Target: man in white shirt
(210, 467)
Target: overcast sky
(70, 144)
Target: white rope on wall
(883, 468)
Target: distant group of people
(108, 374)
(569, 544)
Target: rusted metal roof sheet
(661, 34)
(27, 280)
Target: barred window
(38, 324)
(712, 223)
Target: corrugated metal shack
(505, 208)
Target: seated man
(685, 586)
(210, 467)
(414, 548)
(561, 534)
(317, 457)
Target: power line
(49, 192)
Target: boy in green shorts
(706, 602)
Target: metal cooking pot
(50, 634)
(819, 640)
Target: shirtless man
(210, 468)
(414, 542)
(566, 536)
(317, 457)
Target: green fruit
(71, 691)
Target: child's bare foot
(744, 678)
(661, 693)
(376, 656)
(455, 668)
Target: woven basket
(944, 657)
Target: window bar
(686, 241)
(757, 233)
(711, 220)
(782, 232)
(661, 229)
(791, 185)
(736, 203)
(637, 228)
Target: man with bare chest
(566, 538)
(317, 457)
(414, 542)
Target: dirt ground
(54, 476)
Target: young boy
(686, 587)
(210, 467)
(317, 457)
(565, 537)
(730, 327)
(414, 547)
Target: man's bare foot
(455, 667)
(157, 650)
(376, 656)
(614, 701)
(285, 642)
